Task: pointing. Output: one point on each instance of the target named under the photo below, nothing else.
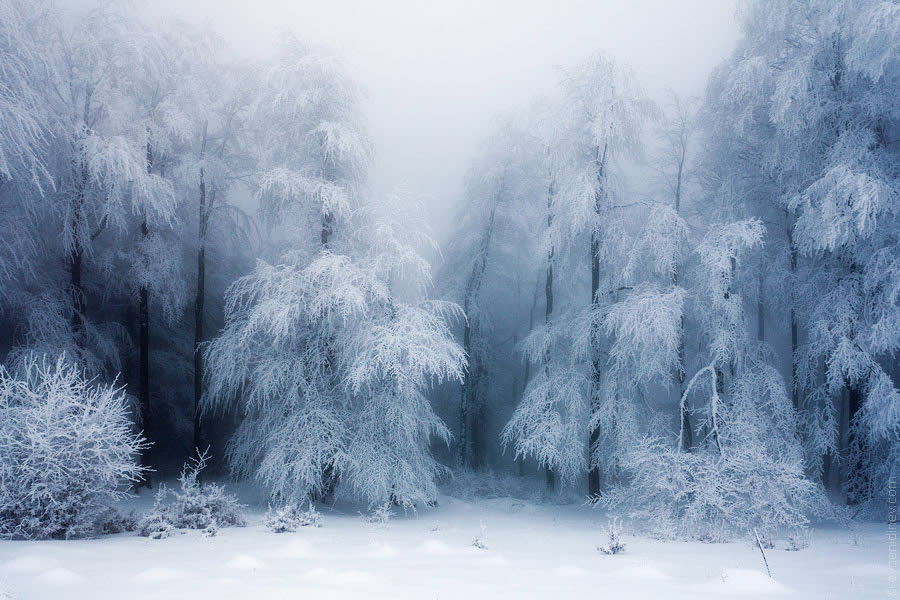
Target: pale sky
(438, 75)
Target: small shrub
(614, 543)
(290, 518)
(381, 515)
(479, 541)
(766, 541)
(798, 541)
(112, 521)
(68, 450)
(192, 506)
(157, 523)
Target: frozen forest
(456, 301)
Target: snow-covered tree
(811, 87)
(330, 361)
(487, 267)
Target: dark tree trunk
(795, 337)
(548, 312)
(144, 345)
(596, 366)
(596, 354)
(467, 391)
(760, 304)
(856, 468)
(199, 301)
(79, 305)
(77, 292)
(687, 439)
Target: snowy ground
(532, 552)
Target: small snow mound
(330, 576)
(436, 547)
(245, 561)
(868, 570)
(747, 582)
(496, 560)
(30, 563)
(642, 572)
(155, 574)
(60, 576)
(382, 550)
(569, 571)
(296, 549)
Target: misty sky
(438, 75)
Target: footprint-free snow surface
(531, 552)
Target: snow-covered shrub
(156, 524)
(748, 474)
(192, 506)
(290, 518)
(479, 541)
(380, 515)
(614, 543)
(67, 450)
(798, 541)
(113, 521)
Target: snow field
(532, 552)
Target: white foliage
(193, 506)
(754, 478)
(68, 447)
(330, 364)
(646, 326)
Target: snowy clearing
(532, 552)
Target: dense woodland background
(688, 311)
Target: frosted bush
(614, 543)
(752, 476)
(290, 518)
(798, 541)
(380, 515)
(479, 541)
(113, 521)
(68, 450)
(193, 506)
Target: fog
(438, 75)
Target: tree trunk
(795, 338)
(596, 355)
(144, 344)
(856, 475)
(464, 455)
(596, 366)
(520, 462)
(467, 391)
(760, 303)
(548, 311)
(75, 262)
(687, 440)
(200, 300)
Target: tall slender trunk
(687, 440)
(858, 466)
(795, 337)
(144, 343)
(760, 303)
(329, 473)
(473, 372)
(548, 311)
(596, 354)
(200, 298)
(520, 462)
(79, 306)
